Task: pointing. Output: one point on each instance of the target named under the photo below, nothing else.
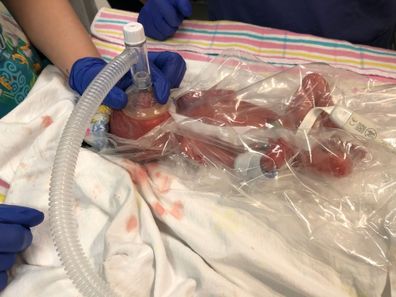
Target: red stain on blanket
(46, 121)
(177, 210)
(159, 209)
(131, 223)
(137, 172)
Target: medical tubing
(64, 229)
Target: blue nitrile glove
(167, 71)
(161, 18)
(15, 235)
(85, 70)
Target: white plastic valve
(135, 40)
(134, 34)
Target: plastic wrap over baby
(212, 108)
(307, 152)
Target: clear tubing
(64, 229)
(141, 70)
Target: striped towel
(201, 40)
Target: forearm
(53, 28)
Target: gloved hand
(15, 235)
(84, 70)
(161, 18)
(167, 71)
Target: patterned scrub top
(20, 64)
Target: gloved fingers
(14, 214)
(6, 261)
(125, 81)
(172, 66)
(116, 98)
(14, 238)
(179, 19)
(160, 85)
(163, 27)
(147, 20)
(184, 6)
(3, 279)
(149, 28)
(83, 72)
(170, 13)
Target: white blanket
(159, 237)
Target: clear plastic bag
(309, 150)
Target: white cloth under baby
(160, 238)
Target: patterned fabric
(201, 40)
(19, 64)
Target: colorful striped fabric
(201, 40)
